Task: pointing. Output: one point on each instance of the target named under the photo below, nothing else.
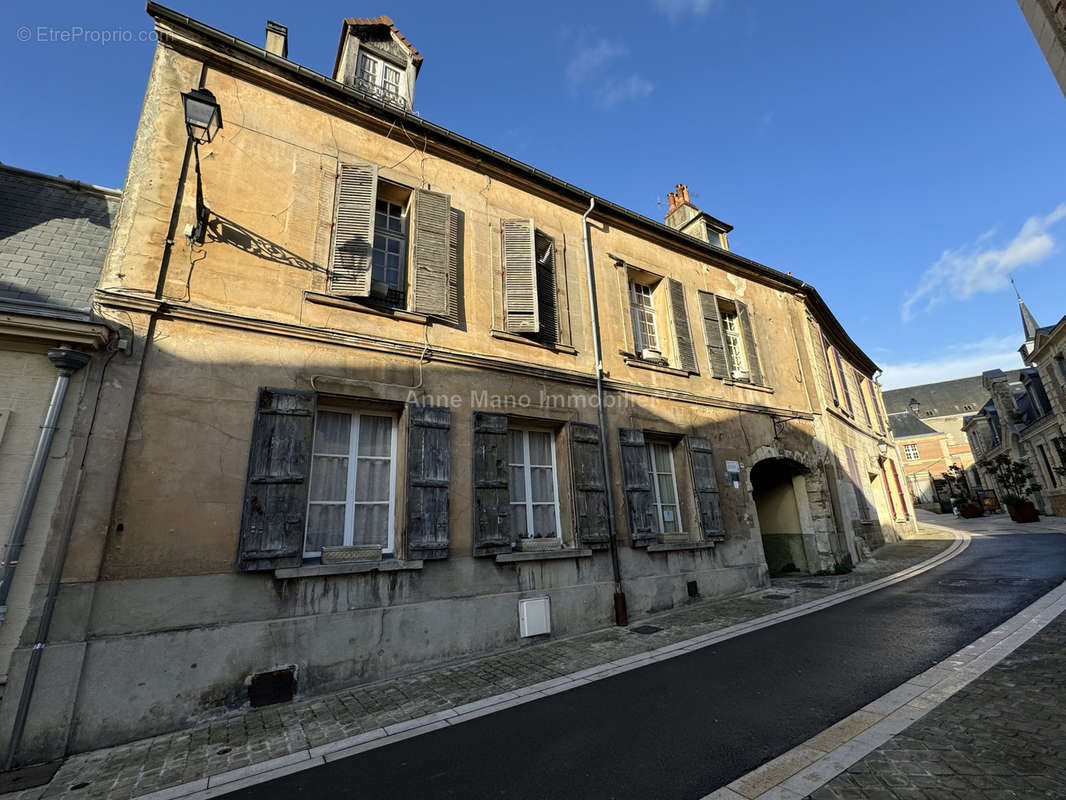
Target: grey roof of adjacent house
(904, 424)
(53, 239)
(944, 398)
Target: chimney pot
(277, 39)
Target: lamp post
(203, 119)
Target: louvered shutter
(455, 259)
(712, 329)
(877, 407)
(547, 297)
(590, 485)
(428, 479)
(844, 390)
(859, 381)
(492, 499)
(353, 230)
(751, 351)
(705, 485)
(431, 252)
(636, 482)
(520, 304)
(275, 495)
(830, 381)
(856, 484)
(686, 352)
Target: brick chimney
(277, 39)
(685, 217)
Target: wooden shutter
(492, 499)
(877, 406)
(520, 305)
(856, 483)
(712, 329)
(431, 252)
(590, 485)
(844, 390)
(830, 381)
(275, 495)
(705, 485)
(686, 352)
(636, 482)
(353, 230)
(547, 297)
(859, 381)
(751, 351)
(455, 260)
(428, 479)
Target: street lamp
(203, 119)
(882, 448)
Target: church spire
(1028, 320)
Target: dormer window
(379, 79)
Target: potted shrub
(961, 496)
(1017, 481)
(539, 544)
(971, 509)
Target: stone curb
(811, 765)
(231, 781)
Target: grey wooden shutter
(844, 390)
(856, 484)
(431, 252)
(353, 230)
(636, 482)
(492, 499)
(275, 495)
(751, 351)
(428, 479)
(686, 351)
(590, 485)
(712, 328)
(455, 261)
(520, 304)
(705, 485)
(547, 299)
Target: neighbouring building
(927, 424)
(1047, 20)
(407, 400)
(1023, 419)
(53, 238)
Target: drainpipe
(621, 614)
(68, 361)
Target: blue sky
(902, 157)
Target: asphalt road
(681, 728)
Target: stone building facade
(522, 408)
(1047, 20)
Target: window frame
(403, 237)
(376, 80)
(653, 474)
(527, 477)
(733, 340)
(908, 449)
(354, 413)
(636, 310)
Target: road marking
(307, 759)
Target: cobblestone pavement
(255, 735)
(1000, 737)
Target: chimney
(277, 39)
(685, 217)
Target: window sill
(633, 361)
(745, 385)
(354, 305)
(507, 336)
(547, 555)
(349, 568)
(670, 547)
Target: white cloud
(592, 72)
(980, 267)
(960, 361)
(676, 9)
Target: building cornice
(52, 330)
(215, 47)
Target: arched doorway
(778, 487)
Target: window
(829, 371)
(353, 481)
(1060, 362)
(666, 515)
(844, 390)
(860, 384)
(530, 298)
(395, 246)
(642, 306)
(730, 332)
(533, 487)
(910, 452)
(734, 348)
(968, 407)
(1047, 466)
(379, 79)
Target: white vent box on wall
(534, 616)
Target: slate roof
(53, 238)
(905, 424)
(943, 398)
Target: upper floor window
(910, 452)
(388, 273)
(530, 284)
(378, 78)
(645, 333)
(829, 371)
(860, 385)
(734, 347)
(730, 331)
(844, 389)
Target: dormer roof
(357, 23)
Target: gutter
(580, 196)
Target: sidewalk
(1000, 737)
(256, 736)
